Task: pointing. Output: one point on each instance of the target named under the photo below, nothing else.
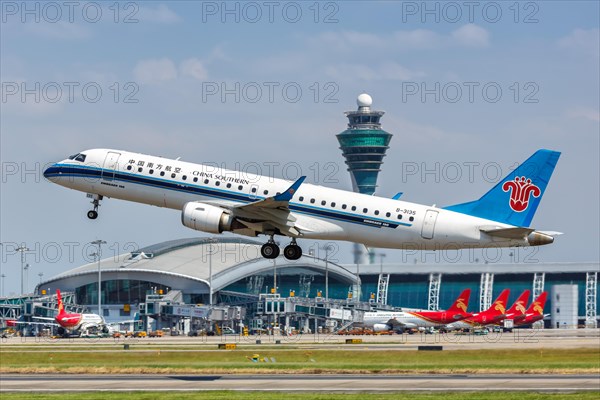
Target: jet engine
(381, 327)
(206, 218)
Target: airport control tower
(364, 145)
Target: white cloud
(585, 113)
(471, 35)
(385, 71)
(154, 71)
(59, 30)
(193, 67)
(161, 14)
(582, 40)
(415, 39)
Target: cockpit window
(78, 157)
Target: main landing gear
(270, 250)
(93, 214)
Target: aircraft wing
(44, 318)
(270, 214)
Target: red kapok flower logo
(521, 189)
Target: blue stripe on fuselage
(63, 171)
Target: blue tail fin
(515, 198)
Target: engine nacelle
(381, 327)
(206, 218)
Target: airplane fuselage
(319, 212)
(75, 321)
(412, 319)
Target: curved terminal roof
(185, 263)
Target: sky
(469, 90)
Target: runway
(299, 383)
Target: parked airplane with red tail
(389, 320)
(492, 315)
(535, 312)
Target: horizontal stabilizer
(535, 238)
(508, 233)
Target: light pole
(3, 276)
(26, 268)
(99, 243)
(381, 257)
(211, 241)
(22, 249)
(358, 282)
(40, 274)
(327, 249)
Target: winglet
(289, 193)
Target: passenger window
(312, 201)
(151, 171)
(376, 212)
(333, 204)
(387, 214)
(253, 190)
(343, 206)
(206, 181)
(217, 183)
(240, 187)
(195, 179)
(399, 216)
(184, 177)
(266, 192)
(301, 198)
(172, 175)
(140, 169)
(129, 168)
(162, 173)
(353, 208)
(228, 185)
(411, 219)
(323, 202)
(365, 210)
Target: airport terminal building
(234, 268)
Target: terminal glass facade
(122, 291)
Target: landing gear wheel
(292, 252)
(92, 214)
(269, 250)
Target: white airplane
(217, 200)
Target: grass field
(154, 361)
(228, 395)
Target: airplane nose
(51, 173)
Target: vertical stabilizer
(515, 198)
(461, 304)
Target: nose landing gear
(93, 214)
